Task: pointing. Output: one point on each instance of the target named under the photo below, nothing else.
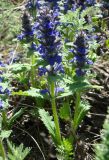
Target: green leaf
(1, 158)
(4, 86)
(72, 87)
(18, 67)
(65, 150)
(102, 148)
(65, 111)
(17, 153)
(20, 93)
(48, 121)
(55, 78)
(66, 94)
(5, 134)
(82, 112)
(79, 86)
(15, 116)
(1, 122)
(70, 44)
(84, 108)
(68, 146)
(33, 92)
(107, 43)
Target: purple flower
(21, 36)
(35, 26)
(80, 72)
(42, 71)
(1, 104)
(2, 64)
(58, 90)
(28, 32)
(1, 89)
(90, 2)
(80, 53)
(6, 91)
(33, 46)
(1, 79)
(44, 91)
(90, 62)
(49, 38)
(54, 59)
(73, 5)
(59, 68)
(54, 4)
(81, 50)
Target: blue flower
(59, 68)
(1, 79)
(42, 71)
(58, 90)
(2, 64)
(80, 53)
(54, 59)
(33, 4)
(21, 36)
(33, 46)
(44, 91)
(91, 2)
(49, 38)
(7, 91)
(28, 32)
(81, 50)
(54, 4)
(1, 104)
(4, 91)
(1, 89)
(80, 72)
(73, 5)
(90, 62)
(68, 5)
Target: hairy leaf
(5, 134)
(65, 111)
(65, 150)
(33, 92)
(17, 153)
(48, 121)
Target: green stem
(4, 119)
(33, 71)
(73, 135)
(77, 104)
(74, 122)
(34, 11)
(2, 150)
(55, 115)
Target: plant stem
(74, 122)
(55, 115)
(77, 104)
(73, 135)
(2, 150)
(33, 71)
(34, 11)
(4, 119)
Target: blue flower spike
(50, 44)
(80, 53)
